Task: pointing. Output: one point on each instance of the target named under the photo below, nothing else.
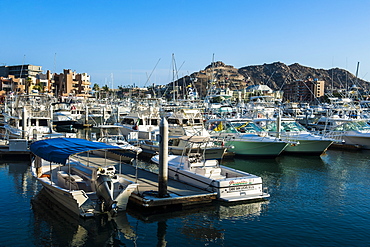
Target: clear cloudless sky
(122, 42)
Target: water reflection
(54, 225)
(202, 223)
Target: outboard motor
(104, 190)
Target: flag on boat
(219, 127)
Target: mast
(358, 65)
(174, 89)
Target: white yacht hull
(362, 140)
(230, 184)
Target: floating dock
(14, 148)
(179, 194)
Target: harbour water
(315, 201)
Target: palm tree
(28, 84)
(105, 88)
(96, 88)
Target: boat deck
(179, 194)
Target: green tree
(28, 84)
(96, 87)
(39, 86)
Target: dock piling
(163, 158)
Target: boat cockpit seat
(210, 172)
(67, 181)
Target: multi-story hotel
(29, 78)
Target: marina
(315, 200)
(97, 162)
(124, 123)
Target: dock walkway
(179, 194)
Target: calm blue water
(315, 201)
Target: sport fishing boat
(66, 171)
(352, 132)
(289, 130)
(230, 184)
(246, 138)
(177, 145)
(112, 135)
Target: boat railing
(336, 136)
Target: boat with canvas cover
(86, 188)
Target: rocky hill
(275, 75)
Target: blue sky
(126, 42)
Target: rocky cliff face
(275, 75)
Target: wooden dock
(179, 194)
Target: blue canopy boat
(65, 169)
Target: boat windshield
(354, 126)
(246, 127)
(287, 126)
(234, 127)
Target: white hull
(362, 140)
(80, 196)
(76, 201)
(230, 184)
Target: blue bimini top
(58, 150)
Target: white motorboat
(354, 132)
(293, 132)
(230, 184)
(178, 144)
(111, 135)
(246, 138)
(84, 187)
(28, 117)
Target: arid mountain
(275, 75)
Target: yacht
(300, 139)
(230, 184)
(246, 138)
(352, 132)
(28, 117)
